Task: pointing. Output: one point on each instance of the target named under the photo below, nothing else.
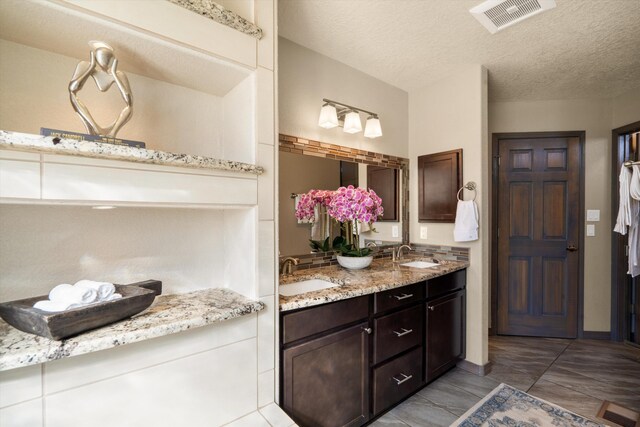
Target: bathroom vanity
(350, 352)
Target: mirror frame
(303, 146)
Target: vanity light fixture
(372, 129)
(333, 113)
(328, 116)
(352, 123)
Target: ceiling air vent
(498, 14)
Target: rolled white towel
(104, 289)
(73, 294)
(114, 297)
(56, 306)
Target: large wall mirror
(306, 165)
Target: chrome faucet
(371, 245)
(287, 265)
(397, 256)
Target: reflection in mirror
(301, 173)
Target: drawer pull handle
(406, 378)
(403, 296)
(367, 330)
(403, 333)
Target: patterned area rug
(508, 406)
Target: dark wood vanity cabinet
(346, 362)
(325, 375)
(445, 338)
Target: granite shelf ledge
(169, 314)
(97, 150)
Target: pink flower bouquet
(347, 205)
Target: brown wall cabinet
(439, 179)
(344, 363)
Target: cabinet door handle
(431, 308)
(406, 378)
(403, 296)
(403, 333)
(367, 330)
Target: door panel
(538, 226)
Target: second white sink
(420, 264)
(305, 286)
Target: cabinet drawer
(398, 297)
(445, 284)
(395, 380)
(313, 320)
(397, 332)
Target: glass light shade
(372, 129)
(352, 122)
(328, 117)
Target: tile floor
(575, 374)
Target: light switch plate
(394, 231)
(593, 214)
(591, 230)
(423, 232)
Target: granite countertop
(98, 150)
(167, 315)
(219, 14)
(381, 275)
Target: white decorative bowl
(354, 263)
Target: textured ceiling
(580, 49)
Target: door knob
(367, 330)
(572, 247)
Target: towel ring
(471, 186)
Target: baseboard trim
(596, 335)
(479, 370)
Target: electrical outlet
(591, 230)
(593, 214)
(423, 232)
(394, 231)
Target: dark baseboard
(596, 335)
(492, 332)
(479, 370)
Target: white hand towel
(104, 289)
(72, 294)
(56, 306)
(466, 227)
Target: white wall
(595, 118)
(306, 77)
(447, 115)
(626, 109)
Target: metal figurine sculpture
(103, 68)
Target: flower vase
(354, 262)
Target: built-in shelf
(155, 39)
(37, 169)
(97, 150)
(169, 314)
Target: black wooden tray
(57, 326)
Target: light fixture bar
(349, 107)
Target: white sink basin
(305, 286)
(420, 264)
